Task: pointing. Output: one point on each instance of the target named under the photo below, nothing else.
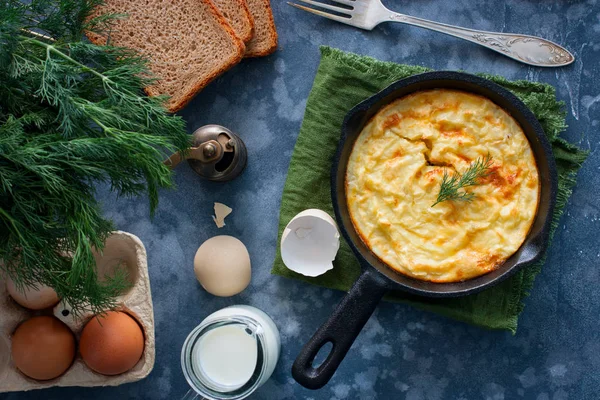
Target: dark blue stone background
(402, 353)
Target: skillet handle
(341, 329)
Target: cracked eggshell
(310, 242)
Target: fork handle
(530, 50)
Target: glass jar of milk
(230, 354)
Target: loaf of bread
(238, 16)
(188, 43)
(264, 41)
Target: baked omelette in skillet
(397, 166)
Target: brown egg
(43, 348)
(111, 343)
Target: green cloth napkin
(342, 81)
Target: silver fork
(367, 14)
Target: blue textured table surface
(402, 353)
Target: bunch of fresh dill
(72, 114)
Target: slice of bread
(188, 43)
(264, 41)
(238, 16)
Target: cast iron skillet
(376, 279)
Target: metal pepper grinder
(217, 154)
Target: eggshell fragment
(222, 266)
(37, 298)
(310, 242)
(221, 211)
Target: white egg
(222, 266)
(36, 298)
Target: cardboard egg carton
(120, 248)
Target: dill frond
(451, 185)
(72, 114)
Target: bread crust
(183, 100)
(250, 52)
(202, 84)
(246, 11)
(243, 9)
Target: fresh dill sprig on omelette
(449, 189)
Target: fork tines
(344, 18)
